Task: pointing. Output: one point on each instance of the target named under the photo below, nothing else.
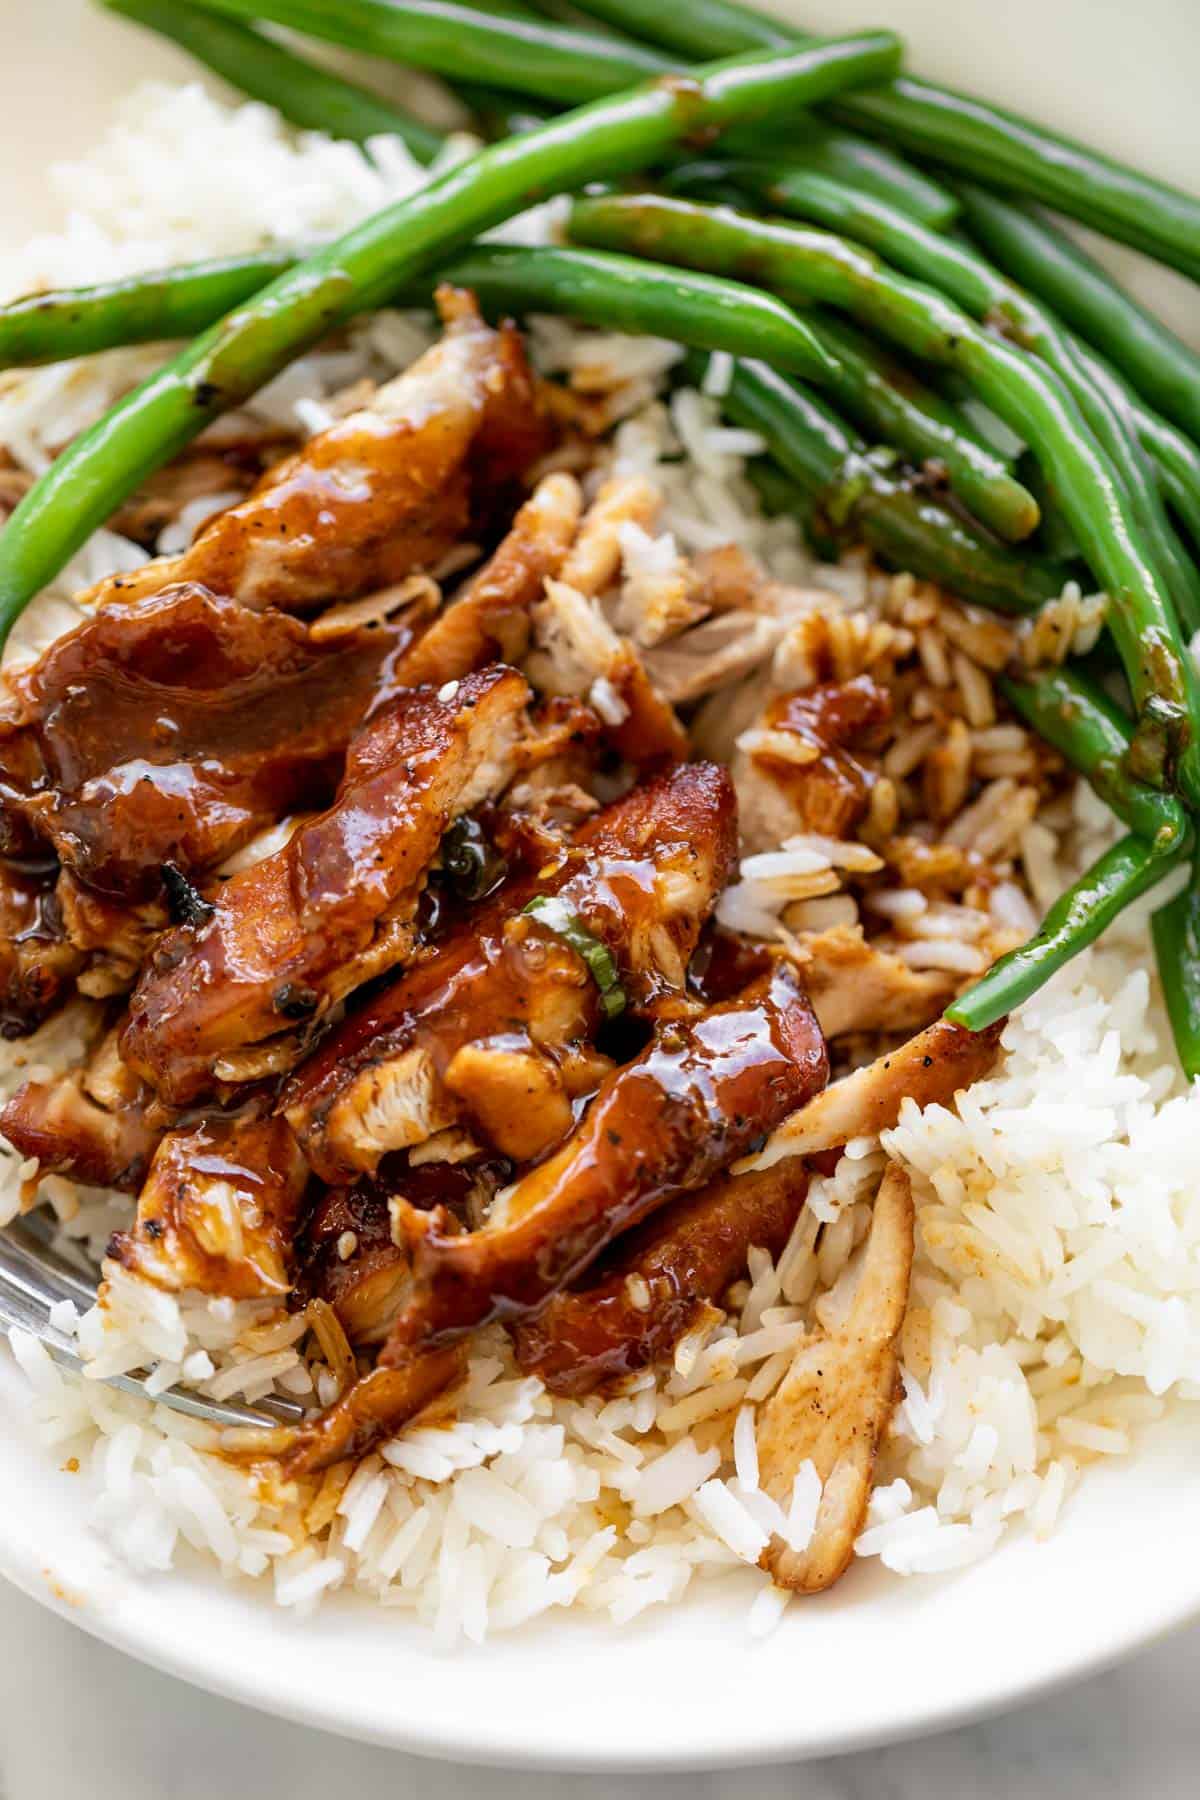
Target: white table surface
(77, 1718)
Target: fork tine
(33, 1278)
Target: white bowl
(879, 1658)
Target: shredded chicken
(836, 1401)
(930, 1069)
(491, 617)
(858, 986)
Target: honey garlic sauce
(664, 1125)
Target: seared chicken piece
(930, 1069)
(808, 765)
(490, 618)
(662, 1126)
(639, 1300)
(857, 986)
(170, 731)
(37, 963)
(492, 1031)
(288, 937)
(218, 1210)
(385, 491)
(346, 1254)
(837, 1399)
(71, 1134)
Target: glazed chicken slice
(930, 1069)
(837, 1399)
(660, 1127)
(221, 999)
(38, 964)
(642, 1297)
(386, 491)
(494, 1031)
(167, 733)
(347, 1256)
(218, 1210)
(490, 618)
(808, 765)
(71, 1132)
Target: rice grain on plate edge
(1047, 1321)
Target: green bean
(1031, 398)
(529, 55)
(853, 495)
(134, 309)
(990, 297)
(1024, 243)
(1175, 929)
(814, 144)
(952, 130)
(309, 96)
(1177, 460)
(237, 355)
(497, 113)
(884, 398)
(1087, 728)
(622, 293)
(1115, 880)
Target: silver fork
(34, 1276)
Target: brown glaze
(479, 1033)
(666, 1124)
(37, 963)
(218, 1210)
(374, 1407)
(169, 732)
(831, 793)
(435, 456)
(294, 933)
(644, 1295)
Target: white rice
(1055, 1307)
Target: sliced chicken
(290, 936)
(662, 1126)
(636, 1303)
(808, 766)
(493, 1030)
(38, 964)
(858, 986)
(169, 732)
(383, 492)
(837, 1399)
(491, 617)
(346, 1254)
(72, 1134)
(218, 1210)
(930, 1069)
